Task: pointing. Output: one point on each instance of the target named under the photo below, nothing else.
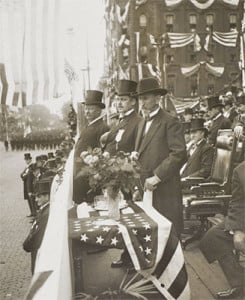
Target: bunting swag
(122, 13)
(191, 70)
(177, 40)
(216, 71)
(201, 4)
(32, 55)
(227, 39)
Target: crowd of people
(167, 148)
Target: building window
(233, 57)
(211, 84)
(171, 83)
(169, 59)
(193, 22)
(193, 58)
(169, 23)
(233, 21)
(210, 21)
(194, 85)
(143, 21)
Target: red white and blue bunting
(201, 4)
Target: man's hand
(238, 131)
(151, 182)
(239, 241)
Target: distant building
(193, 46)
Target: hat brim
(153, 91)
(101, 105)
(200, 128)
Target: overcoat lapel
(141, 127)
(152, 130)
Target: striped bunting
(227, 39)
(177, 40)
(32, 61)
(149, 238)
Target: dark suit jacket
(220, 123)
(34, 239)
(127, 143)
(89, 138)
(235, 219)
(200, 162)
(162, 152)
(25, 176)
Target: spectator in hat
(218, 121)
(34, 239)
(89, 138)
(122, 137)
(25, 176)
(200, 154)
(188, 114)
(186, 131)
(161, 151)
(229, 110)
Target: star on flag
(147, 251)
(106, 228)
(147, 226)
(114, 241)
(99, 240)
(84, 237)
(147, 238)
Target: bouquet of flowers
(118, 172)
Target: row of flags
(215, 70)
(32, 58)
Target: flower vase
(113, 198)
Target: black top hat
(241, 99)
(27, 156)
(43, 186)
(188, 111)
(150, 85)
(126, 88)
(50, 154)
(186, 127)
(197, 124)
(94, 97)
(214, 102)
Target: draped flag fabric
(32, 64)
(217, 71)
(201, 4)
(122, 13)
(177, 40)
(228, 39)
(149, 237)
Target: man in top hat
(33, 241)
(122, 137)
(161, 152)
(25, 176)
(200, 154)
(188, 114)
(218, 121)
(89, 138)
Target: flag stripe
(4, 84)
(169, 250)
(179, 283)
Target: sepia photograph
(122, 149)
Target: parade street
(15, 267)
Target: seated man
(221, 240)
(200, 154)
(33, 241)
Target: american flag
(150, 240)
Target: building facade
(192, 46)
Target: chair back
(223, 158)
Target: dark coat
(162, 152)
(200, 162)
(127, 143)
(218, 242)
(235, 219)
(220, 123)
(34, 239)
(25, 176)
(89, 138)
